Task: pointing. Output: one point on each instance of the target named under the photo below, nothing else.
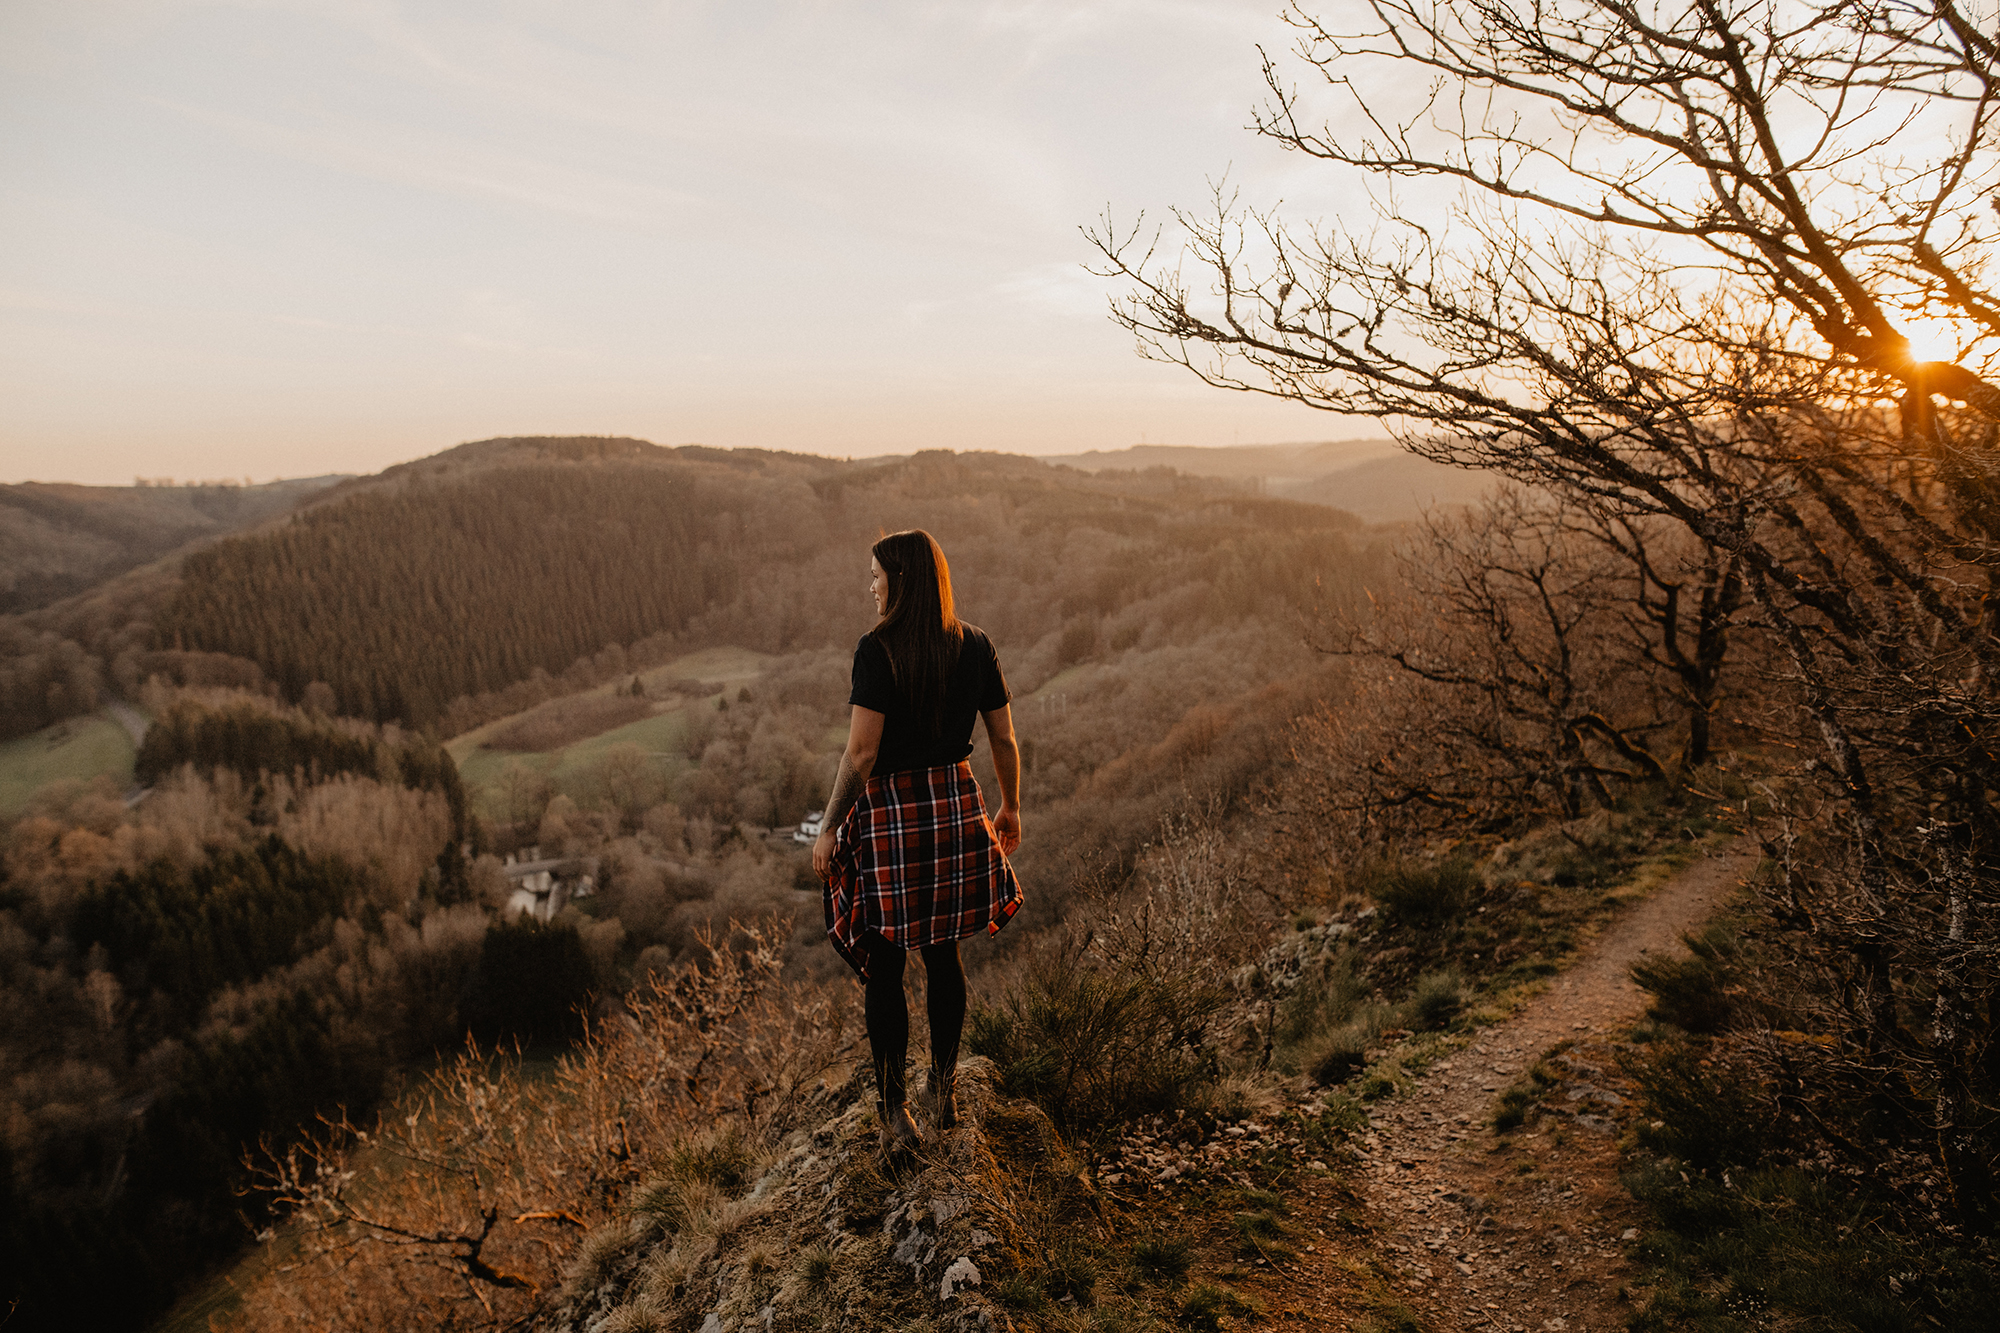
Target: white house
(544, 886)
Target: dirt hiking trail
(1528, 1232)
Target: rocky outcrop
(822, 1231)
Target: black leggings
(889, 1013)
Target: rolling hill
(415, 594)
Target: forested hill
(402, 600)
(410, 595)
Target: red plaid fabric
(916, 861)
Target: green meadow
(79, 749)
(573, 768)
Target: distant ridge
(1372, 479)
(58, 539)
(1271, 462)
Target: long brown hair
(918, 629)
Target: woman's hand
(1007, 829)
(1007, 768)
(823, 854)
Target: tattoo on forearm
(847, 786)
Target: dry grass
(506, 1190)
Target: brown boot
(899, 1128)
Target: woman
(910, 860)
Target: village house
(543, 886)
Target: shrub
(1705, 1117)
(1424, 893)
(1783, 1247)
(1325, 997)
(1326, 1026)
(1691, 992)
(533, 983)
(1096, 1045)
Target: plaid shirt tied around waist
(917, 862)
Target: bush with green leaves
(1709, 1117)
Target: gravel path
(1529, 1233)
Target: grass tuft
(815, 1267)
(1261, 1234)
(722, 1158)
(1437, 999)
(1511, 1112)
(1163, 1258)
(1018, 1291)
(1390, 1317)
(1071, 1275)
(1205, 1306)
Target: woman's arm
(1007, 767)
(857, 761)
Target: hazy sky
(297, 236)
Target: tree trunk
(1952, 1020)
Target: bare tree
(629, 783)
(1522, 692)
(1686, 597)
(525, 793)
(1693, 244)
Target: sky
(271, 238)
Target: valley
(1148, 624)
(1306, 827)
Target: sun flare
(1937, 338)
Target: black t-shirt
(976, 687)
